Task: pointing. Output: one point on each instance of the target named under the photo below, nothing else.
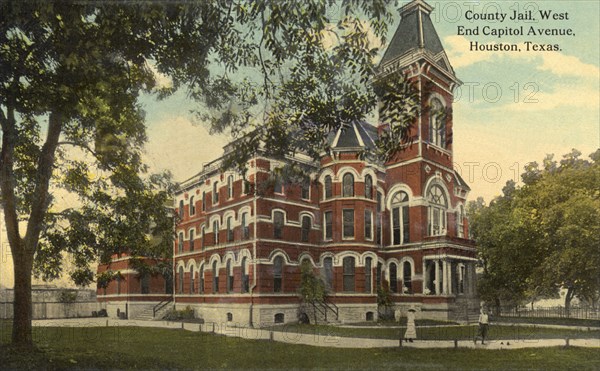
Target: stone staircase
(325, 311)
(466, 310)
(148, 313)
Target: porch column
(437, 277)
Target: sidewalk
(314, 339)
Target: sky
(513, 107)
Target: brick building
(359, 223)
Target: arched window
(328, 187)
(215, 272)
(278, 274)
(245, 229)
(192, 206)
(328, 272)
(180, 282)
(145, 283)
(328, 217)
(460, 220)
(393, 277)
(348, 270)
(368, 274)
(368, 186)
(229, 270)
(215, 193)
(400, 219)
(278, 219)
(348, 223)
(305, 228)
(180, 209)
(203, 237)
(244, 274)
(437, 211)
(215, 232)
(192, 240)
(348, 185)
(407, 278)
(305, 188)
(201, 280)
(192, 283)
(229, 229)
(180, 242)
(279, 318)
(230, 186)
(204, 201)
(437, 123)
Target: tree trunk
(568, 298)
(22, 306)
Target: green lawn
(551, 321)
(148, 348)
(443, 332)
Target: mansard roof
(416, 35)
(357, 136)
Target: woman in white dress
(411, 329)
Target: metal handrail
(161, 305)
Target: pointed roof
(416, 34)
(357, 136)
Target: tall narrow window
(378, 230)
(229, 229)
(437, 211)
(328, 216)
(215, 272)
(180, 243)
(368, 225)
(192, 283)
(215, 193)
(203, 237)
(230, 187)
(229, 270)
(348, 185)
(215, 232)
(305, 188)
(278, 219)
(192, 206)
(393, 277)
(460, 220)
(180, 282)
(305, 228)
(378, 275)
(278, 187)
(201, 280)
(328, 187)
(192, 240)
(245, 229)
(400, 219)
(180, 209)
(407, 278)
(246, 189)
(204, 201)
(145, 283)
(278, 274)
(328, 272)
(368, 187)
(348, 223)
(245, 278)
(348, 268)
(437, 123)
(368, 273)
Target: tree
(71, 75)
(544, 236)
(312, 288)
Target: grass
(442, 333)
(551, 321)
(402, 322)
(151, 348)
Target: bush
(178, 315)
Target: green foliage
(544, 235)
(312, 288)
(67, 296)
(179, 315)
